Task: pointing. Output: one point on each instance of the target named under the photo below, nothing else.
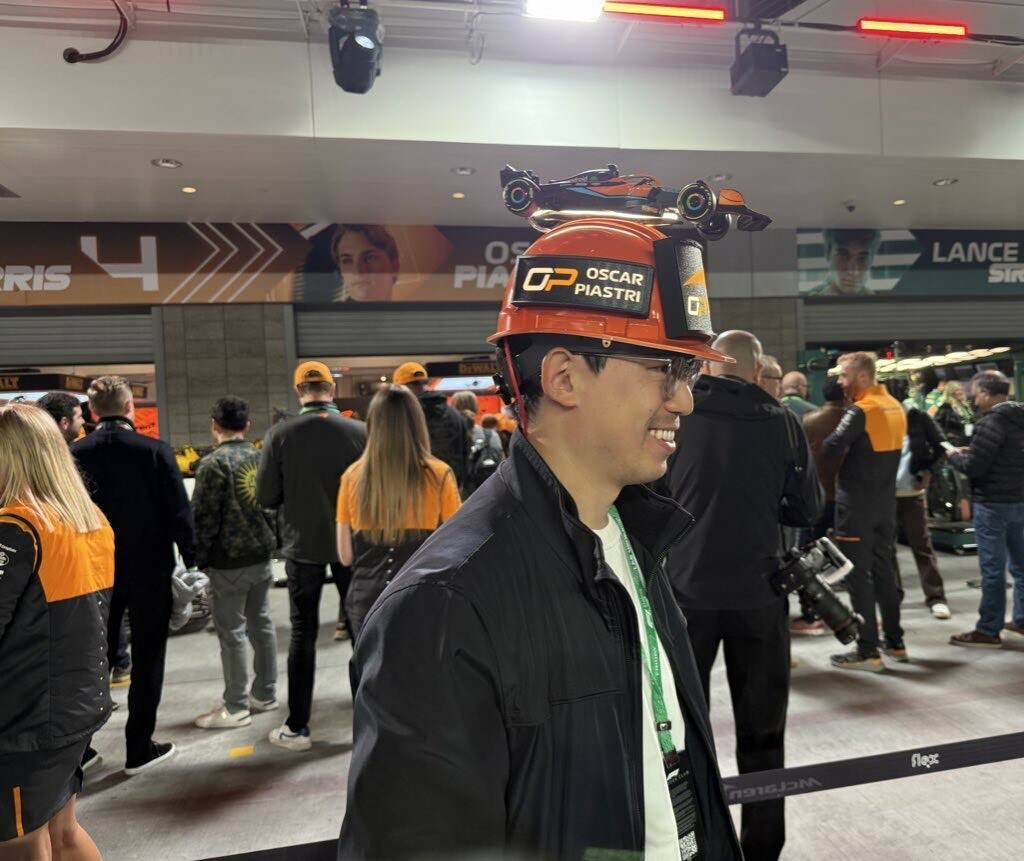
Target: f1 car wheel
(520, 194)
(715, 227)
(696, 202)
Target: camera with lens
(810, 570)
(698, 204)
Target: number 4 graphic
(146, 268)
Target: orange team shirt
(440, 498)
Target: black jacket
(303, 461)
(136, 482)
(925, 441)
(868, 441)
(995, 461)
(449, 435)
(54, 596)
(743, 466)
(952, 424)
(497, 685)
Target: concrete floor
(229, 792)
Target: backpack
(484, 456)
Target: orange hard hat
(613, 281)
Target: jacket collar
(115, 423)
(653, 523)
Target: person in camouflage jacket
(234, 542)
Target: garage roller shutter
(929, 320)
(76, 339)
(392, 332)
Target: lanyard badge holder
(677, 765)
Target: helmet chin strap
(517, 396)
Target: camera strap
(678, 774)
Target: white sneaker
(256, 705)
(221, 718)
(941, 611)
(284, 737)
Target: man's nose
(681, 402)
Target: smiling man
(526, 683)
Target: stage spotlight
(357, 45)
(761, 65)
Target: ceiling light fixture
(458, 195)
(565, 10)
(899, 202)
(911, 29)
(463, 171)
(761, 65)
(695, 14)
(946, 180)
(189, 189)
(720, 177)
(357, 46)
(167, 163)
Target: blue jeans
(999, 528)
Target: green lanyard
(327, 408)
(652, 654)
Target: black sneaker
(898, 653)
(90, 759)
(159, 753)
(855, 661)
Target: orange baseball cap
(313, 372)
(409, 372)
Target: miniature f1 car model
(633, 196)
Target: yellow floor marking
(236, 752)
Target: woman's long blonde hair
(37, 470)
(394, 473)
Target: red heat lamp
(666, 12)
(911, 29)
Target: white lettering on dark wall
(148, 268)
(31, 279)
(977, 252)
(1005, 265)
(499, 257)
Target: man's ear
(560, 377)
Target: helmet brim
(696, 348)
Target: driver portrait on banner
(849, 256)
(347, 263)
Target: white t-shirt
(661, 840)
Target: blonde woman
(56, 573)
(390, 499)
(953, 414)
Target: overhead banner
(66, 263)
(847, 262)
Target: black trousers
(149, 607)
(756, 646)
(867, 534)
(912, 517)
(305, 585)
